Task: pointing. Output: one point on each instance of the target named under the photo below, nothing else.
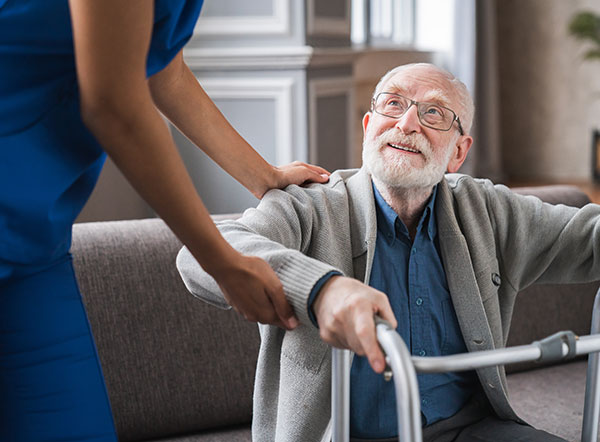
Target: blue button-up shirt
(411, 273)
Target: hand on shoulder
(298, 173)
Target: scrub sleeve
(51, 384)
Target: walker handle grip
(551, 347)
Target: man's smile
(404, 148)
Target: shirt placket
(419, 307)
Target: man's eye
(396, 104)
(434, 111)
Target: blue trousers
(51, 384)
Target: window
(420, 24)
(434, 25)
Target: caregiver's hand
(294, 173)
(251, 287)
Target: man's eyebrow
(436, 95)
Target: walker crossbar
(560, 346)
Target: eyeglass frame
(416, 103)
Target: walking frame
(402, 367)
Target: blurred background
(295, 77)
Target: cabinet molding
(277, 24)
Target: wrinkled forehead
(423, 84)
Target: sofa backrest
(172, 364)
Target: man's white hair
(465, 101)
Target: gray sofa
(180, 370)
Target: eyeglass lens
(430, 114)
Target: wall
(550, 99)
(114, 198)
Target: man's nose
(409, 121)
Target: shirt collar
(387, 218)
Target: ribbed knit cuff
(313, 295)
(299, 274)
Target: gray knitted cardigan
(493, 244)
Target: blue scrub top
(49, 161)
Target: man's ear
(365, 123)
(463, 144)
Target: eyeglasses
(430, 115)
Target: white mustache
(417, 141)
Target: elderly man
(441, 256)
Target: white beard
(399, 173)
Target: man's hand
(344, 309)
(252, 288)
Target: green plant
(585, 26)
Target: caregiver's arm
(111, 40)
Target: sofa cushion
(173, 364)
(551, 398)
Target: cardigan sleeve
(544, 243)
(280, 231)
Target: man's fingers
(344, 309)
(388, 315)
(385, 311)
(367, 338)
(376, 358)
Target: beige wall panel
(550, 98)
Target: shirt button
(419, 301)
(422, 353)
(424, 401)
(414, 250)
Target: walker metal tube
(588, 344)
(500, 356)
(480, 359)
(405, 383)
(404, 368)
(340, 394)
(591, 410)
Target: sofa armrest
(556, 194)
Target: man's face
(401, 152)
